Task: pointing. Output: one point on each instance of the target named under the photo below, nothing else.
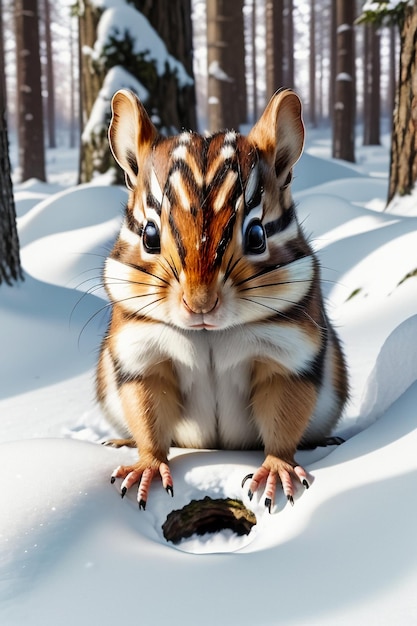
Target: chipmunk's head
(210, 237)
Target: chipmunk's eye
(255, 238)
(151, 238)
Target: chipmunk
(218, 335)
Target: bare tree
(392, 77)
(312, 64)
(29, 91)
(254, 62)
(50, 87)
(372, 84)
(274, 22)
(345, 91)
(333, 56)
(73, 64)
(225, 63)
(289, 44)
(236, 62)
(10, 268)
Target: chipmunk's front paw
(272, 471)
(143, 475)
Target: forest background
(196, 64)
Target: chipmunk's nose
(200, 300)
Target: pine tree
(164, 82)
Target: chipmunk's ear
(131, 133)
(279, 133)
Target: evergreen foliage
(383, 12)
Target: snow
(120, 18)
(72, 552)
(344, 76)
(116, 78)
(343, 28)
(390, 5)
(218, 73)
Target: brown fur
(203, 272)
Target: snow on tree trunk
(172, 21)
(344, 104)
(121, 49)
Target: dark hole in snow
(208, 516)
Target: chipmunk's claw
(247, 477)
(273, 472)
(142, 476)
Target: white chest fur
(213, 371)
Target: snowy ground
(73, 553)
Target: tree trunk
(312, 64)
(344, 105)
(225, 63)
(29, 91)
(403, 169)
(236, 64)
(323, 45)
(333, 58)
(289, 45)
(94, 153)
(50, 101)
(392, 76)
(372, 83)
(3, 90)
(73, 108)
(274, 18)
(10, 268)
(254, 65)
